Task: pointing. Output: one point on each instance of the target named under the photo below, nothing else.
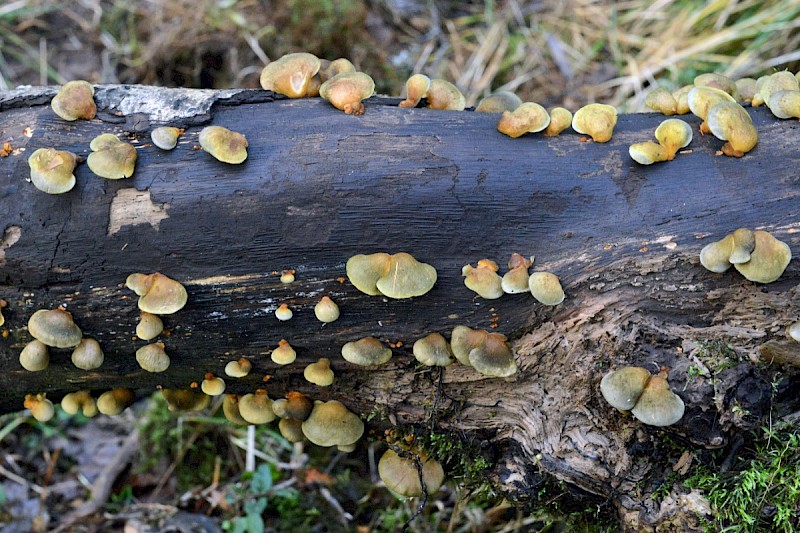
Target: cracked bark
(320, 186)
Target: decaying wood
(320, 186)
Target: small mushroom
(595, 120)
(298, 406)
(158, 294)
(483, 279)
(463, 340)
(417, 87)
(716, 256)
(292, 430)
(401, 475)
(658, 405)
(256, 408)
(546, 288)
(40, 407)
(330, 69)
(682, 98)
(717, 81)
(433, 350)
(166, 137)
(647, 153)
(115, 401)
(79, 401)
(75, 100)
(326, 310)
(757, 99)
(111, 158)
(499, 102)
(794, 331)
(623, 386)
(149, 327)
(284, 354)
(283, 313)
(287, 276)
(493, 357)
(529, 117)
(52, 170)
(744, 242)
(223, 144)
(319, 373)
(345, 91)
(55, 328)
(768, 260)
(560, 119)
(406, 277)
(364, 271)
(729, 121)
(87, 355)
(661, 100)
(515, 281)
(230, 408)
(702, 99)
(212, 385)
(444, 95)
(779, 81)
(238, 369)
(673, 134)
(785, 104)
(152, 357)
(368, 351)
(745, 90)
(185, 399)
(332, 424)
(291, 75)
(34, 356)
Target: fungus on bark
(395, 276)
(152, 357)
(332, 424)
(416, 88)
(239, 368)
(185, 399)
(483, 279)
(55, 328)
(256, 408)
(730, 122)
(291, 74)
(52, 170)
(368, 351)
(88, 355)
(40, 407)
(499, 102)
(75, 100)
(115, 401)
(79, 401)
(595, 120)
(433, 350)
(346, 91)
(401, 475)
(111, 158)
(158, 294)
(319, 373)
(546, 288)
(166, 137)
(35, 356)
(560, 119)
(223, 144)
(284, 354)
(326, 310)
(529, 117)
(149, 327)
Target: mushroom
(682, 98)
(212, 385)
(345, 91)
(745, 90)
(623, 386)
(185, 399)
(287, 276)
(729, 121)
(79, 401)
(55, 328)
(332, 424)
(673, 134)
(284, 354)
(75, 100)
(661, 100)
(463, 340)
(515, 280)
(298, 406)
(115, 401)
(326, 310)
(230, 408)
(368, 351)
(768, 260)
(743, 244)
(291, 75)
(149, 327)
(364, 271)
(529, 117)
(402, 476)
(319, 373)
(158, 294)
(291, 429)
(794, 331)
(166, 137)
(702, 99)
(717, 81)
(716, 255)
(52, 170)
(757, 99)
(34, 356)
(658, 405)
(406, 277)
(111, 158)
(785, 104)
(493, 357)
(483, 279)
(444, 95)
(283, 313)
(256, 408)
(152, 357)
(433, 350)
(416, 88)
(499, 102)
(546, 288)
(40, 407)
(223, 144)
(779, 81)
(647, 153)
(330, 69)
(560, 119)
(238, 369)
(595, 120)
(87, 355)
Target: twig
(22, 481)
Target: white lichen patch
(131, 208)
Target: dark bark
(320, 186)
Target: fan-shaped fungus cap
(34, 356)
(230, 408)
(111, 158)
(283, 313)
(757, 99)
(75, 100)
(406, 277)
(298, 405)
(661, 100)
(149, 327)
(152, 357)
(682, 98)
(546, 288)
(483, 279)
(364, 271)
(493, 357)
(729, 121)
(87, 355)
(223, 144)
(702, 99)
(284, 354)
(319, 373)
(595, 120)
(52, 170)
(326, 310)
(330, 69)
(529, 117)
(717, 81)
(291, 74)
(647, 153)
(79, 401)
(673, 134)
(55, 328)
(623, 386)
(345, 91)
(166, 137)
(417, 87)
(158, 294)
(433, 350)
(401, 476)
(715, 256)
(745, 89)
(516, 279)
(785, 104)
(499, 102)
(238, 369)
(445, 96)
(768, 260)
(744, 241)
(287, 276)
(332, 424)
(658, 405)
(115, 401)
(779, 81)
(40, 407)
(256, 408)
(212, 385)
(794, 331)
(560, 119)
(185, 399)
(291, 429)
(368, 351)
(463, 340)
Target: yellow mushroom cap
(744, 242)
(745, 89)
(326, 310)
(152, 357)
(445, 96)
(212, 385)
(330, 69)
(230, 408)
(757, 99)
(768, 260)
(256, 408)
(284, 354)
(111, 158)
(406, 277)
(52, 170)
(345, 91)
(34, 356)
(515, 281)
(75, 100)
(499, 102)
(715, 256)
(417, 87)
(149, 327)
(115, 401)
(729, 121)
(364, 271)
(647, 153)
(702, 99)
(223, 144)
(55, 328)
(283, 313)
(368, 351)
(658, 405)
(332, 424)
(493, 357)
(673, 134)
(784, 104)
(529, 117)
(661, 100)
(40, 407)
(239, 368)
(546, 288)
(463, 340)
(158, 294)
(291, 74)
(483, 280)
(623, 386)
(319, 373)
(79, 401)
(682, 98)
(166, 137)
(560, 119)
(595, 120)
(779, 81)
(433, 350)
(185, 399)
(717, 81)
(291, 429)
(87, 355)
(401, 476)
(297, 406)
